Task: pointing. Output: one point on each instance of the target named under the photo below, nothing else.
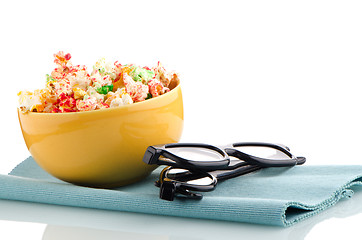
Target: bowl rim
(105, 109)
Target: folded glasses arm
(168, 191)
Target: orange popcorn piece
(79, 93)
(156, 88)
(62, 59)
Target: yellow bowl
(103, 148)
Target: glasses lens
(185, 176)
(196, 153)
(263, 152)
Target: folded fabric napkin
(273, 196)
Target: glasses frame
(153, 154)
(222, 169)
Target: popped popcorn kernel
(79, 93)
(137, 90)
(86, 105)
(156, 88)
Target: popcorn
(98, 80)
(93, 93)
(86, 105)
(66, 103)
(79, 93)
(116, 102)
(62, 59)
(139, 74)
(70, 88)
(28, 101)
(156, 88)
(118, 98)
(60, 86)
(105, 68)
(137, 90)
(126, 98)
(79, 78)
(162, 75)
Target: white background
(276, 71)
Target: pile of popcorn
(70, 88)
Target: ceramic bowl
(103, 148)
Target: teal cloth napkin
(274, 196)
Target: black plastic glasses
(198, 167)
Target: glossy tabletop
(48, 222)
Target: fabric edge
(311, 210)
(18, 165)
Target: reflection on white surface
(80, 223)
(11, 230)
(76, 233)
